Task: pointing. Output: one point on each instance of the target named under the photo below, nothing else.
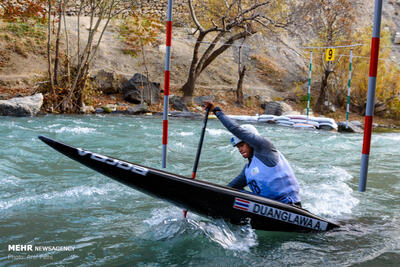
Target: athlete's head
(244, 148)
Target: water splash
(167, 224)
(326, 191)
(75, 130)
(69, 195)
(217, 132)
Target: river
(71, 215)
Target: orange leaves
(138, 31)
(14, 10)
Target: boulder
(139, 85)
(380, 108)
(276, 108)
(87, 109)
(185, 114)
(21, 106)
(329, 107)
(200, 99)
(310, 112)
(177, 103)
(397, 38)
(352, 128)
(109, 82)
(138, 109)
(133, 96)
(357, 123)
(109, 108)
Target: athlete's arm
(239, 182)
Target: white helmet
(249, 128)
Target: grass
(24, 37)
(385, 130)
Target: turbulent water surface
(50, 202)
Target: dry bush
(4, 57)
(268, 69)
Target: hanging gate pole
(166, 85)
(348, 90)
(369, 113)
(309, 86)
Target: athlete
(268, 173)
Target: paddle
(196, 161)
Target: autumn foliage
(138, 31)
(388, 79)
(13, 10)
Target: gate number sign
(330, 54)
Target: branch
(224, 47)
(48, 48)
(66, 43)
(208, 51)
(102, 32)
(223, 19)
(201, 29)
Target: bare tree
(227, 22)
(241, 73)
(100, 12)
(332, 20)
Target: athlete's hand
(209, 104)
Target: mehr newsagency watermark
(27, 251)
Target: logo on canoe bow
(278, 214)
(114, 162)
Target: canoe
(201, 197)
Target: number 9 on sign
(330, 54)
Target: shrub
(23, 10)
(138, 31)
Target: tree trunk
(57, 52)
(188, 88)
(209, 56)
(319, 106)
(49, 49)
(239, 89)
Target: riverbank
(252, 108)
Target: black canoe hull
(200, 197)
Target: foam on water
(11, 180)
(169, 223)
(217, 132)
(229, 237)
(389, 137)
(75, 130)
(186, 133)
(326, 191)
(69, 195)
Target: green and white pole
(348, 90)
(309, 86)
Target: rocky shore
(31, 106)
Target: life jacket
(278, 182)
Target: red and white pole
(369, 113)
(166, 85)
